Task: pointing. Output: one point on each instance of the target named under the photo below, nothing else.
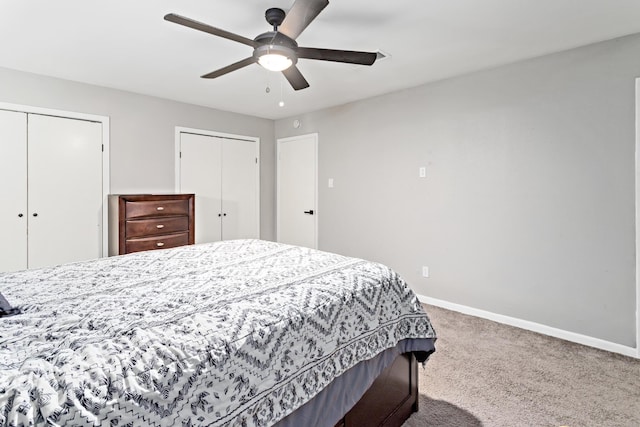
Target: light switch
(330, 182)
(425, 271)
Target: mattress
(229, 333)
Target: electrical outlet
(422, 172)
(425, 271)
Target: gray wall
(142, 132)
(528, 205)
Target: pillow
(6, 309)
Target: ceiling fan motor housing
(276, 38)
(274, 42)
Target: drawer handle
(160, 208)
(159, 226)
(159, 244)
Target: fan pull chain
(281, 103)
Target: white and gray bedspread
(229, 333)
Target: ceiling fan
(277, 50)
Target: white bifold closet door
(65, 190)
(222, 173)
(13, 190)
(201, 174)
(52, 176)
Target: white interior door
(201, 174)
(65, 190)
(13, 191)
(239, 189)
(297, 190)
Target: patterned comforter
(229, 333)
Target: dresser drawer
(156, 208)
(154, 226)
(157, 242)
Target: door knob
(309, 212)
(35, 214)
(20, 215)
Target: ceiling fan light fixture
(275, 62)
(275, 57)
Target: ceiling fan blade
(181, 20)
(295, 78)
(229, 68)
(300, 16)
(348, 56)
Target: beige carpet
(488, 374)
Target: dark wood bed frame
(390, 400)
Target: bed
(245, 332)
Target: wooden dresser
(142, 222)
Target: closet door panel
(239, 190)
(200, 173)
(65, 190)
(13, 190)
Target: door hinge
(256, 160)
(180, 154)
(103, 148)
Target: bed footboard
(390, 400)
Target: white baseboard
(535, 327)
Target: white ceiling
(126, 44)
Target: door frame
(278, 142)
(106, 183)
(637, 207)
(181, 129)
